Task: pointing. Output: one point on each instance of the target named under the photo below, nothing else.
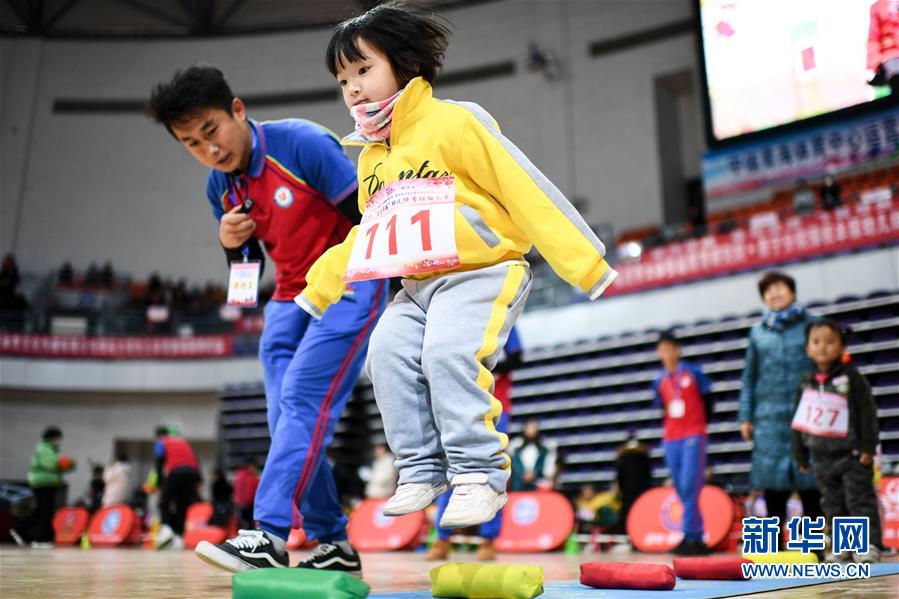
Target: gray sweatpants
(430, 360)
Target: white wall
(116, 186)
(92, 422)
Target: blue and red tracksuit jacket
(298, 173)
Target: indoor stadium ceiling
(151, 18)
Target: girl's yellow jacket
(503, 203)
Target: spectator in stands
(683, 391)
(775, 361)
(803, 198)
(66, 274)
(178, 474)
(221, 494)
(117, 479)
(246, 480)
(830, 193)
(9, 271)
(12, 304)
(842, 449)
(45, 479)
(594, 509)
(634, 475)
(92, 278)
(107, 276)
(382, 482)
(728, 224)
(533, 460)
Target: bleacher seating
(779, 206)
(588, 396)
(781, 202)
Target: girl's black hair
(842, 332)
(414, 44)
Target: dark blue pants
(686, 461)
(310, 369)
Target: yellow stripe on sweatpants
(488, 346)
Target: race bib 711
(408, 228)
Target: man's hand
(746, 431)
(865, 459)
(235, 228)
(803, 469)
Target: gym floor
(138, 573)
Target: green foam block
(299, 583)
(487, 581)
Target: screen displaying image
(772, 62)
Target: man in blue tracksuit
(289, 185)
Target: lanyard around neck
(242, 184)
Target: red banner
(69, 524)
(889, 501)
(795, 238)
(370, 530)
(654, 522)
(116, 348)
(535, 521)
(114, 525)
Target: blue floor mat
(685, 589)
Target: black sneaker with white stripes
(334, 557)
(249, 550)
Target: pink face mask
(373, 119)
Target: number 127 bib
(409, 228)
(823, 414)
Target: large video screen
(773, 62)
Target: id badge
(243, 284)
(677, 408)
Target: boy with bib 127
(836, 421)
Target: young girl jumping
(452, 207)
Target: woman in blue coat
(775, 359)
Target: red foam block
(725, 567)
(620, 575)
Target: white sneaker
(413, 497)
(165, 536)
(42, 545)
(175, 544)
(473, 501)
(872, 557)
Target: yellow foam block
(487, 581)
(782, 557)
